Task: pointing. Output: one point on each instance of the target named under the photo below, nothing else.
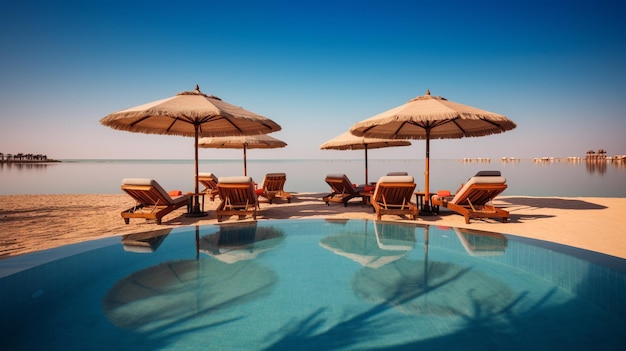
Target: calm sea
(524, 177)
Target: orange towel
(443, 193)
(175, 192)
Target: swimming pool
(313, 285)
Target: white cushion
(477, 180)
(235, 180)
(396, 179)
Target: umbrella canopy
(191, 113)
(244, 142)
(432, 117)
(349, 141)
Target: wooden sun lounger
(237, 197)
(209, 181)
(273, 187)
(392, 196)
(343, 190)
(152, 202)
(474, 198)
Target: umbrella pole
(195, 198)
(245, 166)
(195, 181)
(366, 183)
(197, 242)
(426, 208)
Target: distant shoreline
(30, 161)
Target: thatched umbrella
(191, 113)
(432, 117)
(349, 141)
(244, 142)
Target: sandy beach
(38, 222)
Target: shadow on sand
(551, 202)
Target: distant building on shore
(24, 158)
(601, 155)
(593, 155)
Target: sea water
(524, 176)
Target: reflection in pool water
(314, 284)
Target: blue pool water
(313, 285)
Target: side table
(195, 208)
(419, 199)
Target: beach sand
(38, 222)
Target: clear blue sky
(557, 68)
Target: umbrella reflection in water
(432, 287)
(160, 297)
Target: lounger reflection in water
(395, 236)
(474, 198)
(372, 248)
(145, 242)
(152, 201)
(480, 243)
(241, 241)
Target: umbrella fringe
(425, 117)
(213, 133)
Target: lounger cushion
(235, 180)
(336, 176)
(139, 181)
(488, 174)
(207, 175)
(146, 181)
(354, 189)
(151, 182)
(487, 180)
(396, 179)
(477, 180)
